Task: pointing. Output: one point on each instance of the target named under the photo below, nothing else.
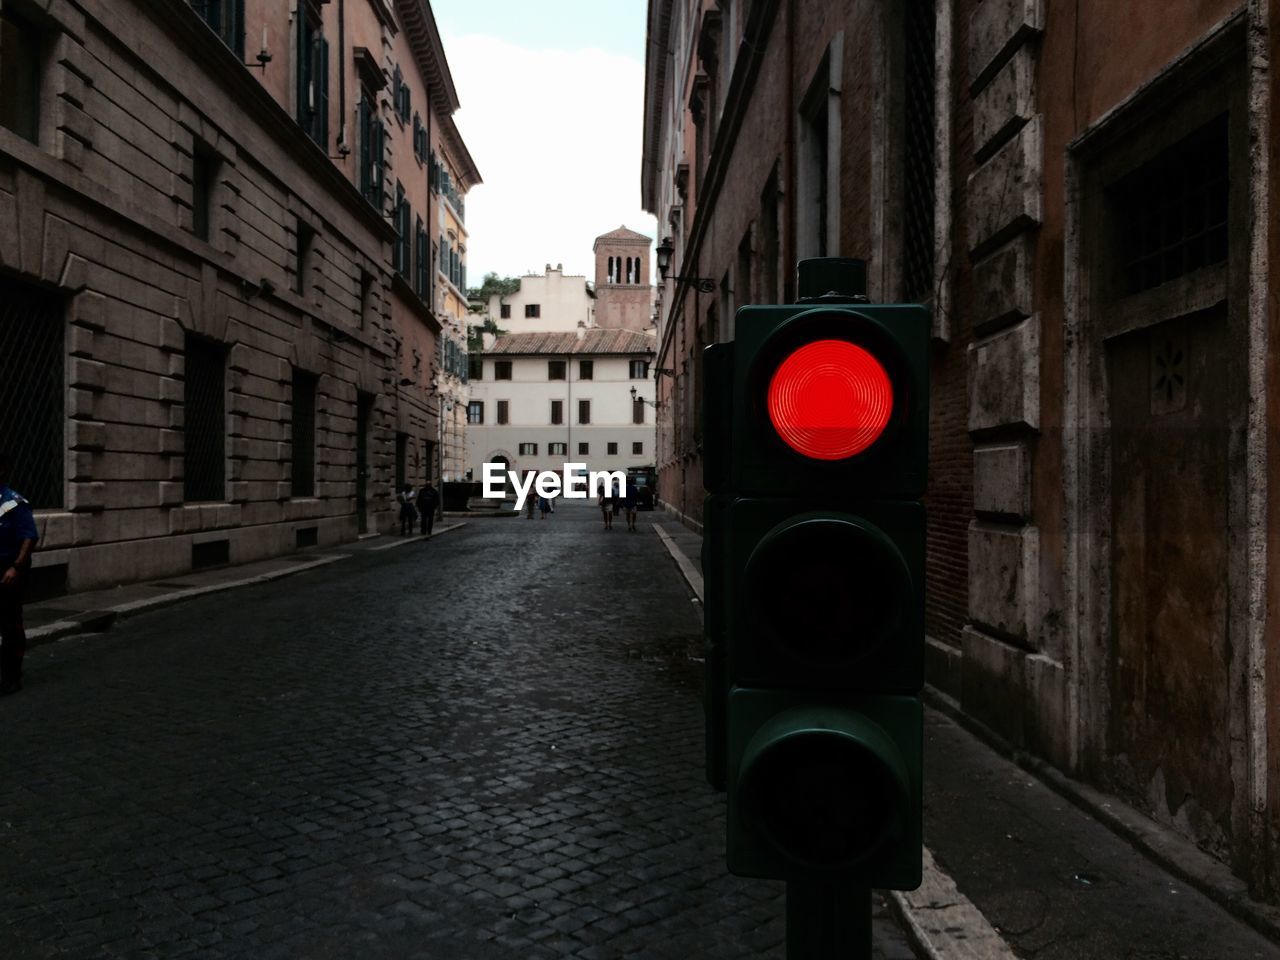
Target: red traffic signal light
(830, 399)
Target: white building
(541, 400)
(551, 301)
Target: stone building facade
(550, 301)
(204, 329)
(1089, 225)
(540, 400)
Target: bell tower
(624, 296)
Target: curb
(95, 621)
(1170, 850)
(419, 538)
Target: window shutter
(321, 82)
(366, 148)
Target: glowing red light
(830, 399)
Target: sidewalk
(92, 611)
(1022, 863)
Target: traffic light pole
(828, 921)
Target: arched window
(609, 275)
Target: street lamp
(653, 403)
(664, 251)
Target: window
(528, 449)
(586, 370)
(557, 412)
(203, 164)
(639, 370)
(532, 310)
(1172, 211)
(402, 460)
(558, 449)
(637, 448)
(304, 235)
(422, 256)
(204, 400)
(419, 138)
(366, 299)
(475, 367)
(555, 369)
(584, 411)
(373, 148)
(401, 251)
(504, 411)
(504, 311)
(637, 411)
(224, 17)
(502, 370)
(304, 433)
(918, 168)
(400, 95)
(818, 166)
(19, 76)
(584, 449)
(611, 449)
(475, 412)
(313, 79)
(33, 390)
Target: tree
(502, 286)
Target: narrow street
(485, 745)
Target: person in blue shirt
(18, 538)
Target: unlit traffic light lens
(830, 400)
(823, 800)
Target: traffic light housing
(816, 418)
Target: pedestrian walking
(629, 497)
(606, 511)
(18, 536)
(407, 512)
(428, 500)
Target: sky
(552, 98)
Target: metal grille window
(204, 397)
(226, 19)
(32, 392)
(304, 433)
(1172, 211)
(19, 76)
(919, 27)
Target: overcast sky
(552, 94)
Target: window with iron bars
(32, 391)
(1171, 213)
(373, 140)
(304, 433)
(204, 401)
(226, 19)
(918, 174)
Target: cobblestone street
(485, 745)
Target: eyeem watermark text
(572, 482)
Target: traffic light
(816, 418)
